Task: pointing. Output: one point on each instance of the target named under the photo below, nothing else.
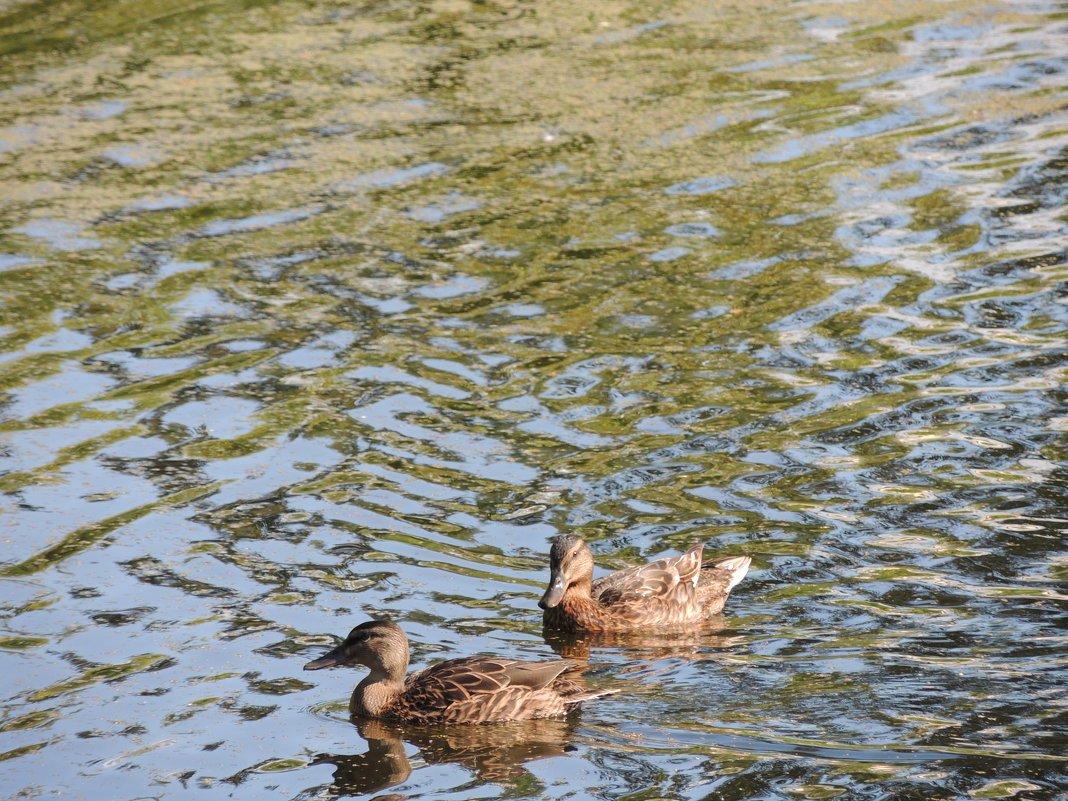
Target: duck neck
(376, 693)
(580, 591)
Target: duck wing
(462, 678)
(659, 580)
(479, 689)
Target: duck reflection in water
(637, 648)
(495, 752)
(384, 764)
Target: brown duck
(679, 591)
(474, 689)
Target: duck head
(570, 563)
(377, 644)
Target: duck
(671, 593)
(473, 689)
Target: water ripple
(340, 312)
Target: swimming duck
(474, 689)
(678, 591)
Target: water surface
(311, 312)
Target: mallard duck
(474, 689)
(678, 591)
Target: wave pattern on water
(310, 313)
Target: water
(317, 311)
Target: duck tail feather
(590, 695)
(736, 566)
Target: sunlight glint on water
(312, 312)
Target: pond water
(317, 311)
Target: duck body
(671, 593)
(476, 689)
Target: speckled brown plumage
(675, 592)
(474, 689)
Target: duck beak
(330, 659)
(555, 593)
